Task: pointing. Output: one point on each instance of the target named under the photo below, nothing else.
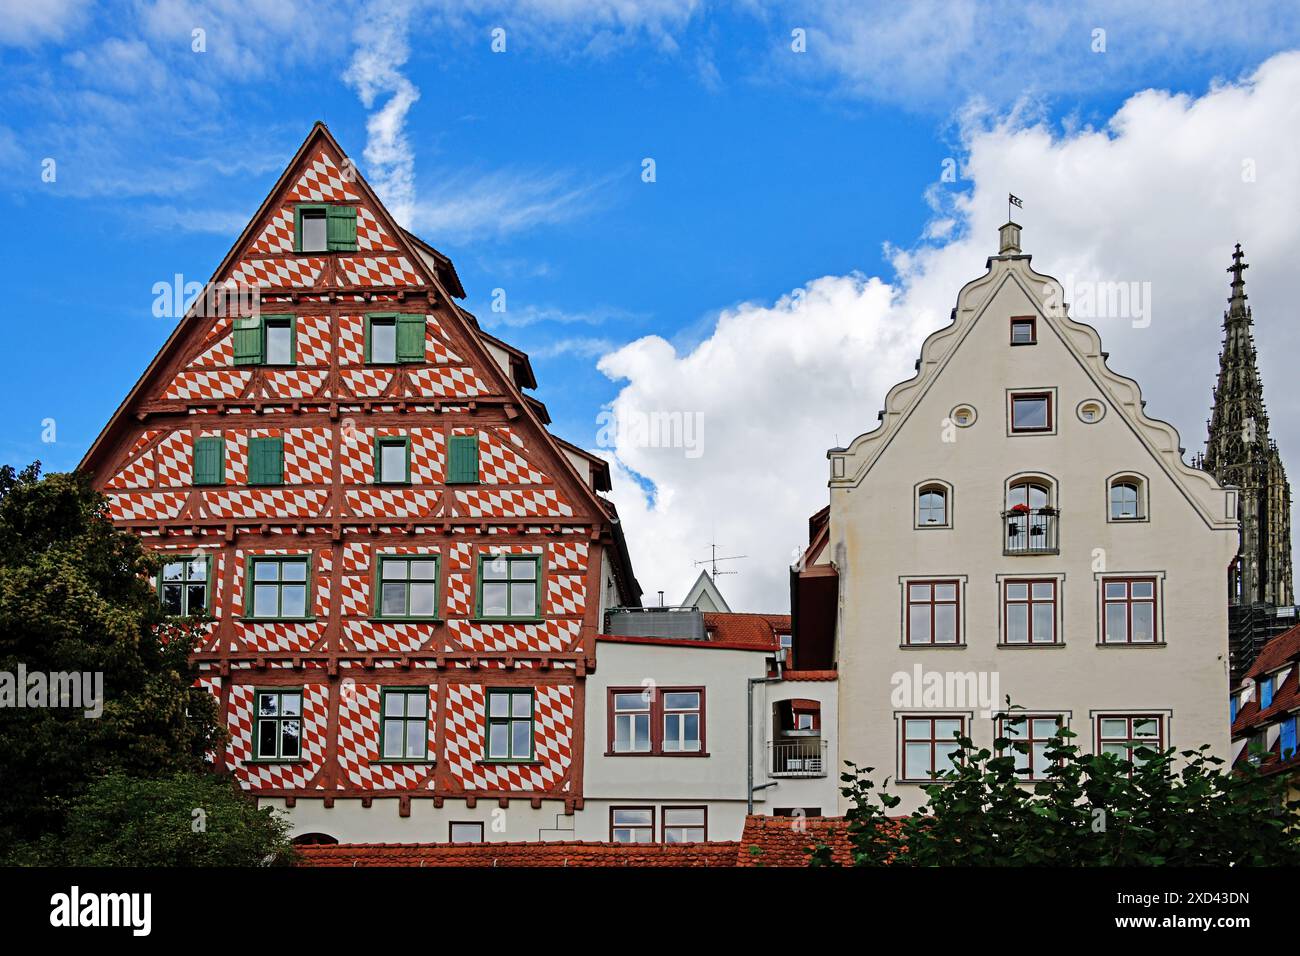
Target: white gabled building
(1017, 525)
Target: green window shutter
(248, 340)
(265, 461)
(209, 461)
(341, 228)
(410, 338)
(462, 460)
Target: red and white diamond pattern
(278, 234)
(277, 273)
(371, 236)
(276, 636)
(314, 340)
(322, 181)
(553, 636)
(321, 586)
(569, 556)
(354, 598)
(378, 271)
(139, 472)
(446, 382)
(356, 557)
(208, 386)
(359, 728)
(236, 458)
(460, 595)
(566, 594)
(390, 502)
(371, 637)
(357, 466)
(500, 465)
(426, 456)
(552, 741)
(352, 339)
(237, 594)
(295, 383)
(508, 503)
(367, 382)
(292, 776)
(218, 350)
(307, 456)
(175, 460)
(460, 554)
(145, 506)
(259, 503)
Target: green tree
(76, 597)
(184, 819)
(1156, 808)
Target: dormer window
(1024, 331)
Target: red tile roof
(809, 675)
(1276, 652)
(520, 854)
(766, 841)
(787, 841)
(759, 630)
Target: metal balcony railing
(802, 757)
(1030, 532)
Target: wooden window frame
(508, 616)
(407, 691)
(908, 604)
(1032, 321)
(250, 584)
(259, 720)
(392, 440)
(1045, 396)
(1004, 720)
(1030, 602)
(665, 826)
(932, 740)
(657, 715)
(1130, 717)
(613, 810)
(329, 211)
(451, 830)
(509, 720)
(187, 559)
(1157, 634)
(261, 441)
(377, 588)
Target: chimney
(1009, 239)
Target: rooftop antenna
(713, 560)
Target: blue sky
(773, 168)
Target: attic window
(314, 231)
(1024, 331)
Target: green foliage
(1157, 809)
(76, 597)
(184, 819)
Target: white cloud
(465, 207)
(1157, 196)
(28, 22)
(376, 69)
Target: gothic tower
(1240, 452)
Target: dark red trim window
(1036, 732)
(1029, 611)
(685, 824)
(1124, 734)
(933, 612)
(1129, 610)
(632, 824)
(1024, 330)
(658, 721)
(1031, 412)
(930, 745)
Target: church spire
(1239, 451)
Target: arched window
(1031, 517)
(1125, 499)
(932, 506)
(314, 839)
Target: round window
(1091, 411)
(963, 416)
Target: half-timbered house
(405, 572)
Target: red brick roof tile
(759, 630)
(520, 854)
(787, 841)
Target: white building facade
(1018, 526)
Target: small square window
(1031, 412)
(314, 238)
(1024, 332)
(466, 833)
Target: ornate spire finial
(1238, 266)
